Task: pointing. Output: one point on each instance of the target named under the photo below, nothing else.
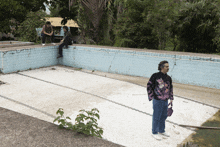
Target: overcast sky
(47, 10)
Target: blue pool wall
(28, 58)
(186, 69)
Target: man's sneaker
(53, 43)
(43, 44)
(157, 136)
(165, 134)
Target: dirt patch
(2, 82)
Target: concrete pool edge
(184, 67)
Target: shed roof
(56, 21)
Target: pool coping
(117, 48)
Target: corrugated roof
(56, 21)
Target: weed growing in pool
(78, 69)
(85, 122)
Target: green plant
(27, 29)
(131, 29)
(84, 123)
(197, 26)
(78, 69)
(14, 12)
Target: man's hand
(51, 33)
(171, 101)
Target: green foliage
(179, 25)
(131, 30)
(161, 15)
(27, 29)
(85, 122)
(106, 33)
(76, 13)
(85, 26)
(54, 11)
(62, 6)
(13, 12)
(198, 26)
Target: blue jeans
(65, 43)
(61, 47)
(44, 37)
(159, 116)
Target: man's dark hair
(161, 65)
(48, 23)
(66, 28)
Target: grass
(78, 69)
(208, 137)
(216, 53)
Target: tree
(27, 30)
(54, 11)
(198, 26)
(17, 10)
(64, 10)
(131, 29)
(94, 9)
(161, 15)
(87, 14)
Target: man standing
(160, 89)
(67, 40)
(47, 31)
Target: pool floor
(125, 112)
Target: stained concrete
(125, 112)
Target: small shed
(56, 22)
(58, 27)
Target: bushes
(27, 29)
(131, 30)
(198, 27)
